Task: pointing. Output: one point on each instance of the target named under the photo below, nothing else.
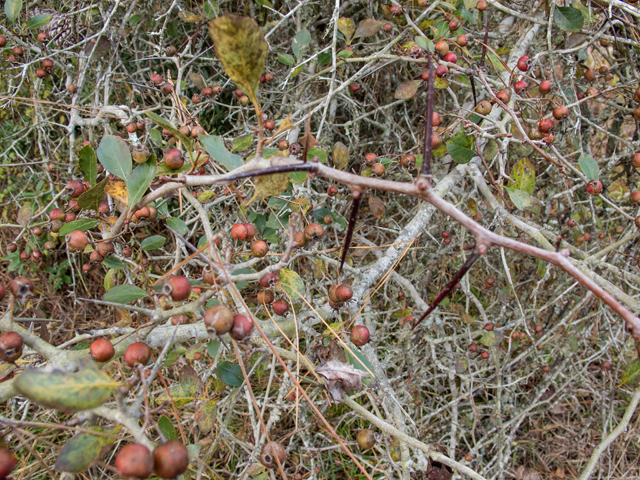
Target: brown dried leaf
(308, 137)
(24, 215)
(347, 27)
(407, 90)
(340, 156)
(197, 80)
(376, 205)
(342, 378)
(367, 27)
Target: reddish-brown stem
(425, 171)
(450, 286)
(357, 196)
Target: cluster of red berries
(266, 296)
(312, 233)
(338, 294)
(245, 232)
(220, 320)
(167, 461)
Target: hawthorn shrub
(295, 239)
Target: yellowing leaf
(407, 90)
(632, 372)
(190, 17)
(118, 191)
(524, 174)
(340, 155)
(292, 284)
(347, 27)
(285, 125)
(240, 45)
(367, 27)
(270, 185)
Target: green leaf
(12, 9)
(241, 143)
(212, 347)
(292, 284)
(492, 339)
(524, 174)
(134, 19)
(139, 180)
(83, 390)
(156, 136)
(178, 395)
(38, 21)
(316, 152)
(113, 262)
(519, 198)
(300, 42)
(569, 19)
(298, 177)
(230, 374)
(218, 152)
(114, 155)
(91, 198)
(345, 53)
(324, 59)
(166, 427)
(152, 243)
(460, 154)
(320, 213)
(125, 294)
(161, 122)
(178, 225)
(88, 164)
(83, 449)
(286, 59)
(632, 372)
(83, 225)
(425, 44)
(240, 45)
(589, 167)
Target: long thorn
(486, 39)
(425, 171)
(473, 90)
(450, 286)
(307, 137)
(303, 167)
(357, 196)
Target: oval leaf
(153, 242)
(113, 263)
(114, 155)
(270, 185)
(83, 449)
(167, 428)
(38, 21)
(407, 90)
(569, 19)
(367, 27)
(88, 164)
(292, 284)
(218, 152)
(347, 27)
(125, 294)
(91, 198)
(376, 205)
(524, 174)
(178, 225)
(89, 388)
(230, 373)
(340, 155)
(460, 154)
(83, 225)
(632, 372)
(300, 42)
(589, 167)
(240, 45)
(139, 180)
(12, 9)
(519, 198)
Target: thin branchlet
(303, 167)
(425, 171)
(450, 286)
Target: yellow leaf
(285, 125)
(118, 191)
(340, 155)
(240, 45)
(270, 185)
(347, 27)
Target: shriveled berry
(313, 231)
(182, 319)
(370, 158)
(137, 353)
(209, 275)
(21, 287)
(270, 452)
(332, 191)
(101, 350)
(484, 107)
(218, 320)
(269, 280)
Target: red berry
(134, 460)
(3, 291)
(170, 459)
(332, 191)
(451, 57)
(481, 5)
(313, 231)
(354, 87)
(166, 88)
(242, 327)
(560, 112)
(173, 159)
(280, 307)
(75, 188)
(137, 353)
(178, 287)
(503, 96)
(544, 87)
(634, 197)
(102, 350)
(590, 75)
(520, 86)
(21, 287)
(442, 71)
(546, 125)
(485, 355)
(387, 27)
(343, 293)
(259, 248)
(239, 232)
(270, 125)
(359, 335)
(442, 48)
(454, 25)
(251, 231)
(484, 107)
(523, 63)
(3, 42)
(77, 241)
(269, 77)
(473, 347)
(182, 319)
(370, 158)
(218, 320)
(462, 40)
(489, 327)
(157, 79)
(8, 461)
(594, 187)
(269, 280)
(265, 296)
(10, 347)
